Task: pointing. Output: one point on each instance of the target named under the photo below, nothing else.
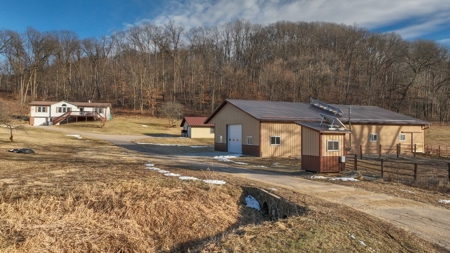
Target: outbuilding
(272, 129)
(323, 146)
(194, 127)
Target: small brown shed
(323, 147)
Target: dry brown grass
(86, 195)
(128, 125)
(438, 134)
(176, 141)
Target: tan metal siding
(387, 137)
(201, 132)
(334, 137)
(230, 115)
(310, 143)
(290, 134)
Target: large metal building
(273, 129)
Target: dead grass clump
(130, 216)
(432, 184)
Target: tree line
(146, 65)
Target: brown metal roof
(305, 112)
(196, 121)
(79, 104)
(321, 128)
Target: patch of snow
(187, 178)
(198, 146)
(149, 164)
(242, 163)
(157, 170)
(444, 201)
(144, 126)
(153, 168)
(362, 243)
(259, 166)
(75, 135)
(273, 189)
(407, 191)
(344, 179)
(226, 158)
(214, 181)
(318, 177)
(171, 175)
(252, 202)
(352, 236)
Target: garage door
(235, 138)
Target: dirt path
(427, 221)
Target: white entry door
(235, 139)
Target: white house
(44, 113)
(193, 127)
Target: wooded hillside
(144, 66)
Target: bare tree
(173, 111)
(7, 120)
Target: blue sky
(412, 19)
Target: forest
(143, 66)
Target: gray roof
(305, 112)
(322, 128)
(79, 104)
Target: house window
(249, 140)
(41, 109)
(401, 137)
(219, 139)
(275, 140)
(63, 109)
(99, 110)
(373, 137)
(332, 145)
(211, 130)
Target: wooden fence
(403, 149)
(438, 150)
(427, 172)
(399, 150)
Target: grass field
(85, 195)
(129, 125)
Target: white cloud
(444, 41)
(417, 17)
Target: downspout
(350, 125)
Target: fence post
(439, 150)
(355, 163)
(398, 149)
(415, 172)
(379, 152)
(415, 149)
(360, 152)
(382, 168)
(448, 173)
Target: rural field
(77, 193)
